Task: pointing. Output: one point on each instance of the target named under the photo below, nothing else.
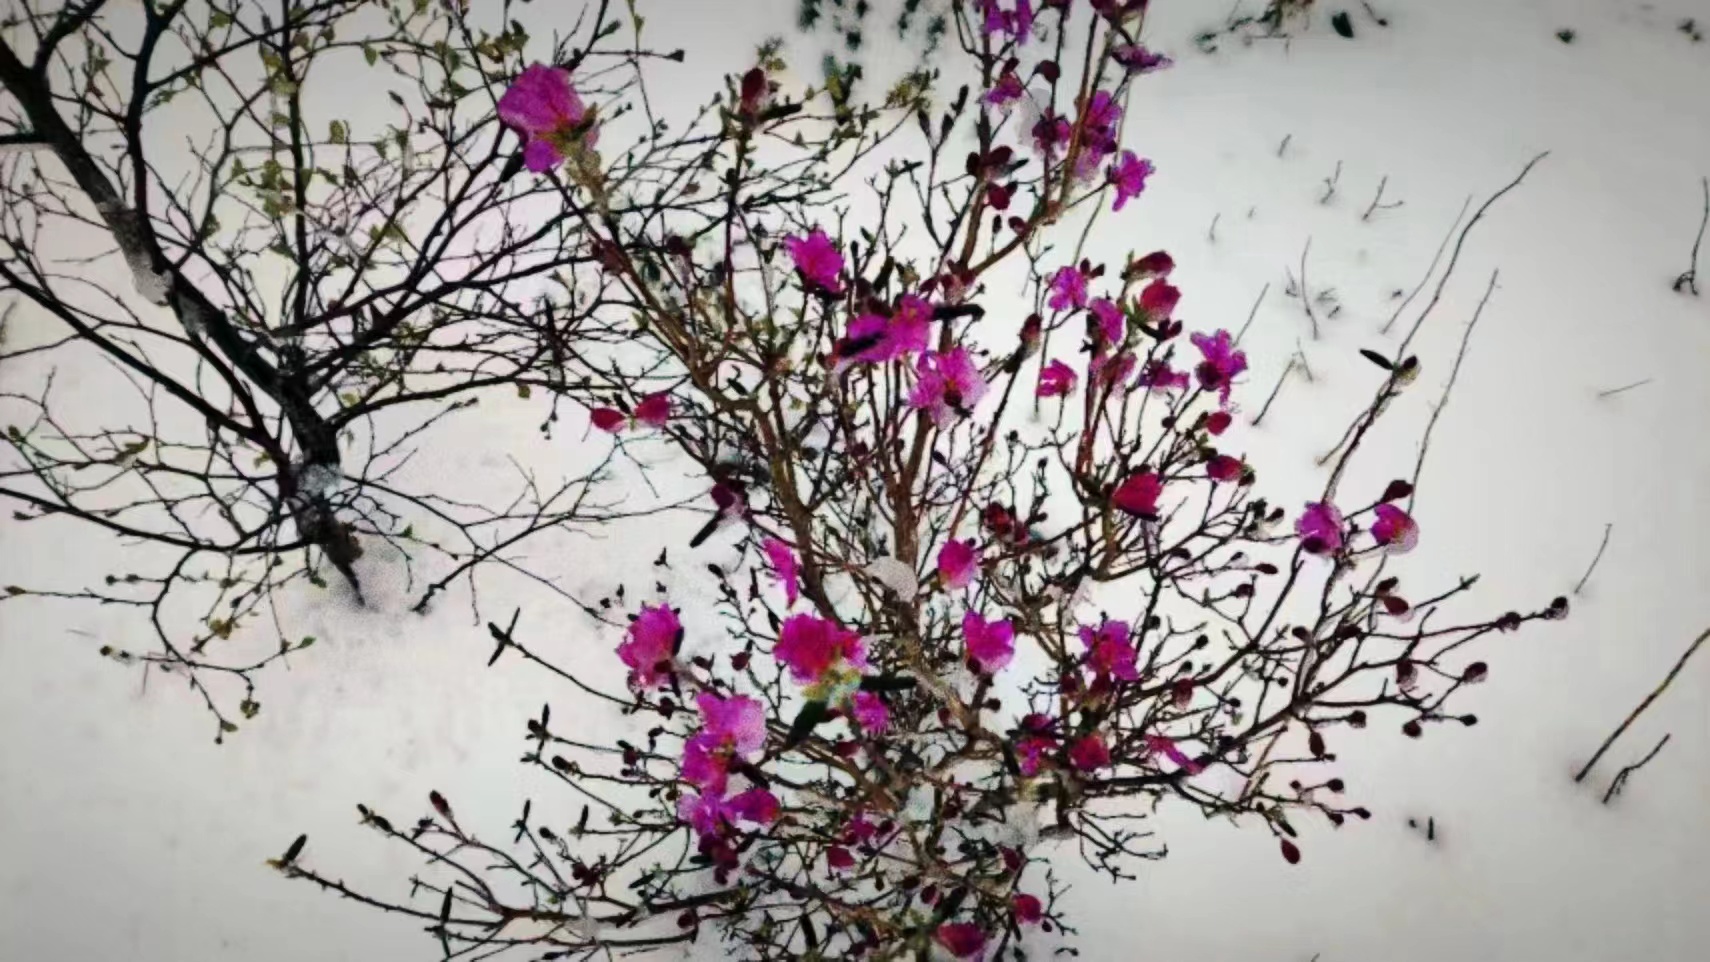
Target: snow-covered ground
(125, 833)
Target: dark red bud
(1315, 744)
(1397, 490)
(1476, 672)
(1335, 785)
(1412, 729)
(1290, 852)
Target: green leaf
(219, 18)
(370, 54)
(1343, 26)
(306, 642)
(812, 713)
(338, 133)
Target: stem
(1620, 780)
(1635, 713)
(1595, 559)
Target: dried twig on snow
(1635, 713)
(1623, 388)
(1377, 203)
(1689, 278)
(1595, 558)
(1620, 780)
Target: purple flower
(1108, 320)
(1089, 753)
(710, 814)
(1109, 653)
(1068, 289)
(1221, 363)
(650, 646)
(1155, 264)
(654, 410)
(990, 644)
(1006, 91)
(1032, 748)
(610, 420)
(1027, 909)
(1128, 175)
(1050, 133)
(817, 260)
(1161, 745)
(1395, 529)
(870, 712)
(783, 563)
(731, 728)
(1098, 132)
(1056, 379)
(810, 647)
(1320, 528)
(1223, 468)
(876, 339)
(1159, 376)
(1017, 23)
(839, 859)
(1112, 371)
(958, 562)
(1159, 300)
(947, 385)
(964, 940)
(1138, 494)
(543, 107)
(1137, 60)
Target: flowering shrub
(1018, 583)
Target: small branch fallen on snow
(1377, 203)
(1635, 713)
(1274, 392)
(1253, 313)
(1595, 558)
(1305, 292)
(1330, 184)
(1211, 232)
(1623, 388)
(1689, 278)
(1300, 354)
(1619, 782)
(1283, 147)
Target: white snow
(125, 833)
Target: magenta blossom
(817, 260)
(1090, 753)
(990, 644)
(1098, 123)
(1006, 91)
(654, 410)
(732, 728)
(1218, 422)
(1027, 909)
(1320, 528)
(783, 563)
(1223, 468)
(1035, 745)
(870, 712)
(1159, 376)
(1159, 300)
(947, 385)
(545, 109)
(1050, 133)
(811, 647)
(1160, 745)
(1114, 370)
(610, 420)
(875, 339)
(1108, 321)
(964, 940)
(958, 562)
(1155, 264)
(1395, 529)
(839, 859)
(1015, 23)
(1138, 494)
(1128, 175)
(710, 814)
(1109, 653)
(650, 646)
(1221, 363)
(1137, 60)
(1068, 289)
(1056, 379)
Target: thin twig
(1595, 558)
(1623, 388)
(1274, 392)
(1435, 259)
(1454, 375)
(1620, 780)
(1377, 201)
(1635, 713)
(1211, 233)
(1330, 184)
(1253, 313)
(1689, 279)
(1300, 352)
(1305, 292)
(1282, 147)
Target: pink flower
(1128, 175)
(947, 385)
(1221, 363)
(783, 563)
(1138, 494)
(875, 339)
(1159, 376)
(543, 107)
(1050, 134)
(859, 831)
(1161, 745)
(838, 859)
(1027, 909)
(958, 562)
(1138, 60)
(609, 420)
(1113, 371)
(1089, 754)
(1223, 468)
(654, 410)
(1006, 91)
(731, 728)
(711, 814)
(964, 940)
(1395, 529)
(817, 260)
(1320, 528)
(870, 712)
(1017, 24)
(1109, 322)
(1109, 653)
(1068, 289)
(1218, 422)
(810, 646)
(1159, 300)
(990, 644)
(1155, 264)
(1098, 132)
(1032, 748)
(651, 645)
(1056, 379)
